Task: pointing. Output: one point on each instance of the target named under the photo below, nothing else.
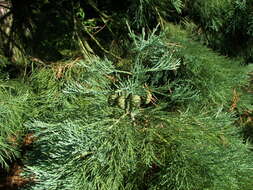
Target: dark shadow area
(12, 178)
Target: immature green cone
(121, 102)
(148, 97)
(113, 99)
(135, 101)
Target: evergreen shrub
(164, 123)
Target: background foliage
(227, 25)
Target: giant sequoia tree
(115, 97)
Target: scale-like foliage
(112, 140)
(13, 108)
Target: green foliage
(226, 25)
(151, 11)
(3, 63)
(211, 75)
(184, 140)
(170, 152)
(13, 108)
(163, 117)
